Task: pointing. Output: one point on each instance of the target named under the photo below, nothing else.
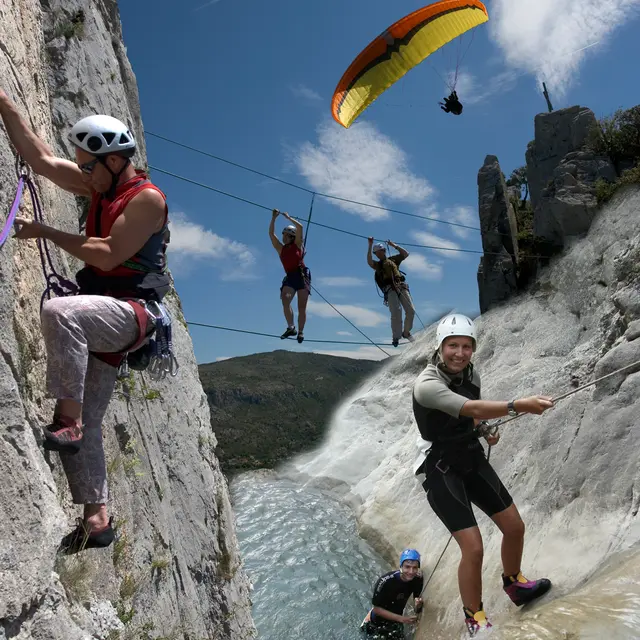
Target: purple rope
(55, 282)
(14, 210)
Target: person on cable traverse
(297, 279)
(447, 407)
(390, 595)
(124, 256)
(393, 285)
(451, 104)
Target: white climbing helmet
(455, 324)
(379, 246)
(290, 230)
(100, 135)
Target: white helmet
(455, 324)
(100, 135)
(290, 229)
(379, 246)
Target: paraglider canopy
(399, 49)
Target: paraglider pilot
(452, 104)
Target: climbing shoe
(300, 338)
(81, 538)
(291, 331)
(408, 336)
(63, 435)
(476, 622)
(395, 342)
(521, 590)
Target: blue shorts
(298, 280)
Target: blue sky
(252, 82)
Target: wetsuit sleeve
(417, 589)
(380, 593)
(434, 394)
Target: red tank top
(103, 213)
(292, 257)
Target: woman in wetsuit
(297, 278)
(447, 407)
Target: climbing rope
(296, 186)
(351, 323)
(325, 226)
(306, 235)
(54, 281)
(271, 335)
(22, 172)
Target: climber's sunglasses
(88, 167)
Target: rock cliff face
(561, 172)
(573, 472)
(497, 277)
(174, 570)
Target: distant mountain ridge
(267, 407)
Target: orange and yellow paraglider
(398, 50)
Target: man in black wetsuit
(390, 595)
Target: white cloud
(302, 91)
(419, 266)
(471, 91)
(363, 353)
(191, 241)
(360, 316)
(462, 215)
(361, 164)
(544, 37)
(344, 333)
(341, 281)
(430, 239)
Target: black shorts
(298, 280)
(450, 494)
(391, 631)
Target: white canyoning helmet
(290, 230)
(455, 324)
(100, 135)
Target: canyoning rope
(491, 428)
(486, 428)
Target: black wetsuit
(391, 592)
(457, 471)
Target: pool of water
(312, 574)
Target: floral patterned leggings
(72, 327)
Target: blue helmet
(409, 554)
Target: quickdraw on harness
(157, 356)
